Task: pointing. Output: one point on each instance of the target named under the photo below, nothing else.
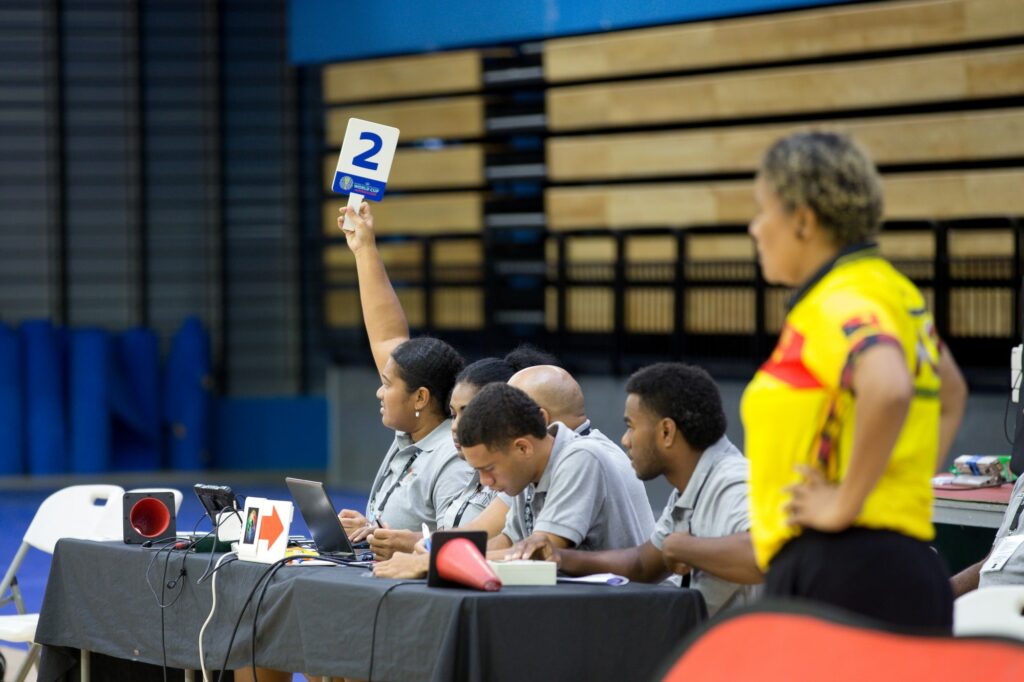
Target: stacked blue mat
(87, 401)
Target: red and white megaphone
(459, 560)
(148, 516)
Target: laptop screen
(318, 512)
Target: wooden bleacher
(378, 79)
(434, 213)
(935, 195)
(911, 139)
(789, 36)
(427, 97)
(816, 89)
(453, 118)
(652, 139)
(705, 100)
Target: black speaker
(148, 517)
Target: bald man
(561, 400)
(557, 393)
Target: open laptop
(318, 511)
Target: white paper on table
(596, 579)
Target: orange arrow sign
(272, 527)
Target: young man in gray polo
(675, 427)
(560, 491)
(560, 399)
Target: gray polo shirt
(1012, 573)
(417, 482)
(580, 497)
(604, 447)
(714, 504)
(473, 499)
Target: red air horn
(461, 562)
(148, 516)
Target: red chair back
(798, 647)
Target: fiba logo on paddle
(346, 182)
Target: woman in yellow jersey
(847, 419)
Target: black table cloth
(333, 620)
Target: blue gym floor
(17, 508)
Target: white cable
(213, 607)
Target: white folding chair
(79, 511)
(990, 611)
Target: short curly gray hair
(831, 175)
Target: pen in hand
(426, 536)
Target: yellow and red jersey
(799, 408)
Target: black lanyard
(465, 505)
(398, 482)
(1016, 516)
(693, 509)
(528, 511)
(687, 579)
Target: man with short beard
(675, 427)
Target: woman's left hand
(816, 504)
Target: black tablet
(215, 499)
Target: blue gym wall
(270, 433)
(336, 30)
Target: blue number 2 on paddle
(363, 160)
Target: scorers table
(334, 620)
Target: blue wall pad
(328, 30)
(186, 397)
(41, 347)
(271, 433)
(89, 412)
(135, 401)
(12, 456)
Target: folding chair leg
(19, 602)
(85, 665)
(26, 665)
(8, 578)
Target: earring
(417, 414)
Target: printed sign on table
(265, 525)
